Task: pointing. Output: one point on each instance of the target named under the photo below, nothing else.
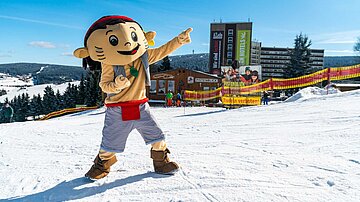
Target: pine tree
(25, 106)
(34, 109)
(59, 100)
(299, 57)
(81, 94)
(69, 97)
(92, 90)
(49, 100)
(357, 45)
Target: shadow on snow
(203, 113)
(68, 190)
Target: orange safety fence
(66, 111)
(330, 74)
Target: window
(229, 54)
(230, 32)
(229, 47)
(153, 87)
(162, 89)
(230, 39)
(171, 85)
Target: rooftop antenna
(248, 19)
(220, 20)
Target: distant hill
(44, 73)
(49, 73)
(201, 61)
(339, 61)
(198, 62)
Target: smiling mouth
(132, 52)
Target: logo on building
(190, 79)
(243, 49)
(217, 35)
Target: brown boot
(100, 168)
(162, 162)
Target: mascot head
(114, 40)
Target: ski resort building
(178, 80)
(231, 45)
(274, 60)
(229, 42)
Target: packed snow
(312, 92)
(294, 151)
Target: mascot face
(117, 40)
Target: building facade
(274, 60)
(255, 53)
(229, 43)
(178, 80)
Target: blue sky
(49, 31)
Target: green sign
(243, 47)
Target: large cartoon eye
(113, 40)
(134, 36)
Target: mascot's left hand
(184, 37)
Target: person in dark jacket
(8, 113)
(178, 100)
(266, 97)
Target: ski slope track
(306, 150)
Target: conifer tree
(81, 94)
(299, 57)
(49, 100)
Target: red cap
(105, 18)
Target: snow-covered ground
(34, 90)
(295, 151)
(312, 92)
(8, 82)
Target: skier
(119, 47)
(169, 97)
(178, 100)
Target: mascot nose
(127, 43)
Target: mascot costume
(120, 47)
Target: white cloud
(65, 46)
(345, 37)
(205, 44)
(67, 54)
(38, 22)
(42, 44)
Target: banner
(216, 48)
(241, 100)
(236, 88)
(243, 47)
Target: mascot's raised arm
(120, 47)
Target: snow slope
(296, 151)
(34, 90)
